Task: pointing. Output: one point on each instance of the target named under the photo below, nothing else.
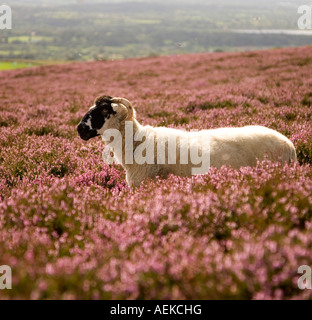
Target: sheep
(172, 151)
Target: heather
(71, 228)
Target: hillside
(71, 228)
(106, 30)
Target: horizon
(45, 31)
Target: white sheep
(171, 151)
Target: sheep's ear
(127, 104)
(121, 111)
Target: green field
(8, 65)
(28, 39)
(19, 64)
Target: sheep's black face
(95, 118)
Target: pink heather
(71, 228)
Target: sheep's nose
(83, 131)
(81, 128)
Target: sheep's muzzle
(85, 132)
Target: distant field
(28, 39)
(110, 31)
(8, 65)
(11, 65)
